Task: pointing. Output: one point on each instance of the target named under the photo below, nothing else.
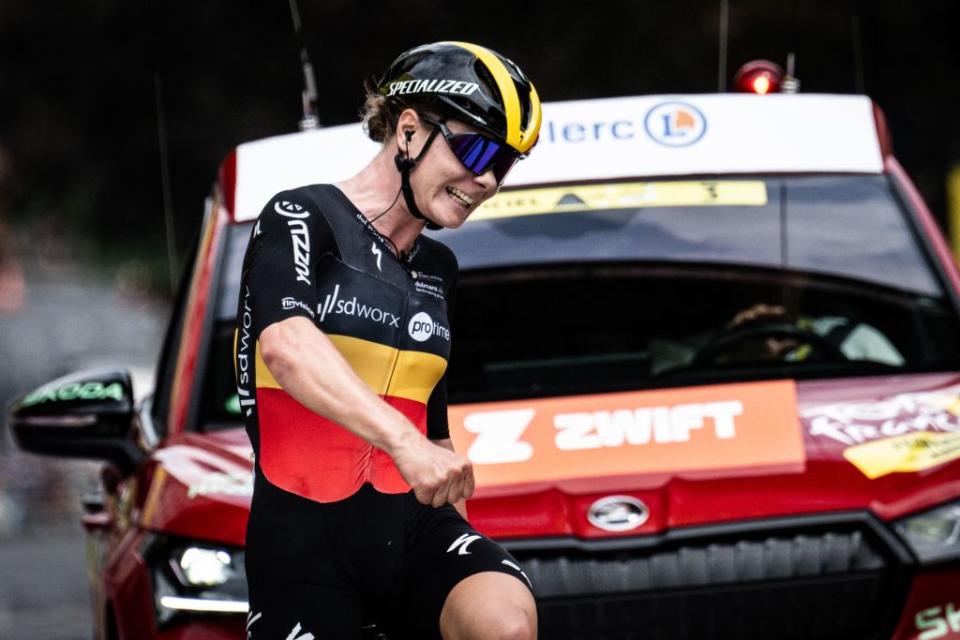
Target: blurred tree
(79, 81)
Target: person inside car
(765, 332)
(342, 343)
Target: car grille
(828, 584)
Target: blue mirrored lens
(478, 153)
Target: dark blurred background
(113, 114)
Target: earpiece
(405, 162)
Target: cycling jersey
(313, 254)
(334, 530)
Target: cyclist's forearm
(459, 505)
(308, 366)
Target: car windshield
(776, 277)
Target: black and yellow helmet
(469, 83)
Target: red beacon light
(763, 77)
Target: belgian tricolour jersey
(313, 254)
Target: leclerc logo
(422, 326)
(675, 124)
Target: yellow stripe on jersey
(414, 373)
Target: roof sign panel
(614, 139)
(622, 195)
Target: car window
(822, 276)
(602, 327)
(171, 344)
(850, 226)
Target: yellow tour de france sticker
(627, 195)
(909, 452)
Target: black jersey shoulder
(433, 258)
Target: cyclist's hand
(437, 475)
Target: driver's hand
(436, 474)
(759, 312)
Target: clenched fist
(436, 474)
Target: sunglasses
(477, 152)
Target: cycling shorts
(319, 570)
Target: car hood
(888, 444)
(200, 487)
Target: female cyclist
(342, 346)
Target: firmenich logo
(422, 327)
(76, 391)
(292, 303)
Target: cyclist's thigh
(443, 551)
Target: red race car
(706, 364)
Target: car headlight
(196, 578)
(933, 535)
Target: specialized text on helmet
(432, 86)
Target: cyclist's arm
(459, 505)
(307, 366)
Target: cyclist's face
(446, 191)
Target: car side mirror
(83, 415)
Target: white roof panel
(614, 138)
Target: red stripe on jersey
(315, 458)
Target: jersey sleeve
(438, 427)
(287, 242)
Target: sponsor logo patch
(938, 622)
(289, 304)
(852, 423)
(516, 567)
(291, 210)
(428, 284)
(296, 635)
(675, 124)
(422, 327)
(299, 236)
(462, 543)
(245, 346)
(456, 87)
(75, 391)
(732, 429)
(907, 453)
(334, 304)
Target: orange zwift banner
(695, 429)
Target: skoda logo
(675, 124)
(618, 513)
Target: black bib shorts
(318, 571)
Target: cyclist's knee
(516, 626)
(489, 606)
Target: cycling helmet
(469, 83)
